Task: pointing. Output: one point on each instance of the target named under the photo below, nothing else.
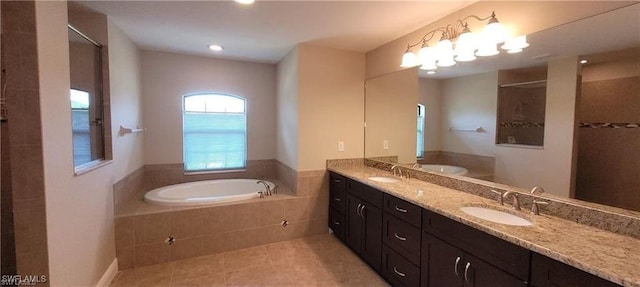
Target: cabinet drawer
(338, 200)
(337, 182)
(337, 223)
(402, 237)
(505, 255)
(365, 192)
(398, 270)
(406, 211)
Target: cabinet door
(442, 264)
(372, 239)
(477, 273)
(546, 272)
(355, 223)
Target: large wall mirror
(578, 141)
(87, 100)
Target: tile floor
(319, 260)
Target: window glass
(420, 136)
(214, 132)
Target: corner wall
(79, 209)
(330, 105)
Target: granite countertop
(606, 254)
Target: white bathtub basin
(446, 169)
(496, 216)
(206, 192)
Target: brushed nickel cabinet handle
(399, 237)
(336, 222)
(466, 272)
(455, 267)
(362, 211)
(401, 210)
(358, 209)
(398, 272)
(337, 199)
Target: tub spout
(267, 191)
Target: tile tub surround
(141, 228)
(312, 261)
(612, 256)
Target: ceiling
(267, 30)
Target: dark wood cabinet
(447, 265)
(364, 230)
(546, 272)
(411, 246)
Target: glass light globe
(495, 31)
(487, 48)
(516, 44)
(409, 60)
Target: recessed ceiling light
(215, 48)
(245, 2)
(583, 61)
(431, 72)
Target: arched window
(214, 132)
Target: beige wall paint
(330, 105)
(550, 167)
(468, 103)
(523, 17)
(166, 77)
(80, 208)
(430, 96)
(390, 107)
(611, 70)
(287, 110)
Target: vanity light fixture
(458, 44)
(245, 2)
(215, 48)
(583, 61)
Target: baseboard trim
(108, 275)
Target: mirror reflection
(573, 131)
(85, 61)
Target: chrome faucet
(396, 171)
(538, 189)
(500, 198)
(535, 209)
(267, 191)
(516, 201)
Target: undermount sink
(496, 216)
(383, 179)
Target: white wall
(468, 103)
(330, 105)
(430, 95)
(166, 77)
(287, 114)
(79, 209)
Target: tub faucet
(267, 191)
(516, 201)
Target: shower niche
(521, 109)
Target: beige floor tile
(287, 250)
(358, 277)
(212, 280)
(198, 267)
(246, 258)
(257, 276)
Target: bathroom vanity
(414, 234)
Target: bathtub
(446, 169)
(206, 192)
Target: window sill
(213, 171)
(87, 167)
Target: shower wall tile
(20, 77)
